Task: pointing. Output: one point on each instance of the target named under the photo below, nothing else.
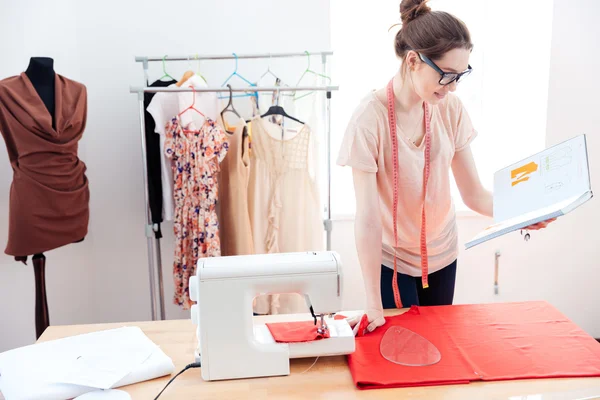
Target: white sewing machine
(230, 344)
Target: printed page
(558, 173)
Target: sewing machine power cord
(198, 365)
(192, 365)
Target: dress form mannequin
(42, 118)
(41, 74)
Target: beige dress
(234, 220)
(283, 200)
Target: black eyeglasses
(446, 77)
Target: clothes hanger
(199, 73)
(166, 75)
(278, 80)
(309, 71)
(278, 110)
(229, 108)
(184, 78)
(235, 73)
(187, 75)
(193, 104)
(269, 72)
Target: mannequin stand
(42, 317)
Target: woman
(414, 262)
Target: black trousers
(440, 290)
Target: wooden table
(328, 379)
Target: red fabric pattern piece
(527, 340)
(295, 332)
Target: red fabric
(527, 340)
(362, 326)
(294, 332)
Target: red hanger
(192, 106)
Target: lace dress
(283, 199)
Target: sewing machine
(230, 344)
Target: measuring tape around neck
(423, 238)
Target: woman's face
(425, 78)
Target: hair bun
(413, 9)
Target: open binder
(547, 185)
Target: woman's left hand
(540, 225)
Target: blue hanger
(235, 73)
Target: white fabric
(110, 394)
(309, 108)
(165, 106)
(158, 365)
(18, 376)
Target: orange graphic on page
(521, 174)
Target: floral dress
(195, 156)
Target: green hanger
(308, 70)
(198, 73)
(166, 75)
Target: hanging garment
(283, 200)
(154, 154)
(307, 107)
(162, 108)
(196, 155)
(234, 220)
(480, 342)
(49, 194)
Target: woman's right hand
(374, 319)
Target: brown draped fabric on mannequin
(42, 118)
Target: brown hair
(431, 33)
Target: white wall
(573, 109)
(95, 43)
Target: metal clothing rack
(155, 274)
